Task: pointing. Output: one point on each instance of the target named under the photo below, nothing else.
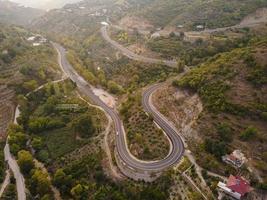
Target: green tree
(25, 161)
(30, 85)
(37, 143)
(62, 180)
(84, 125)
(40, 183)
(180, 65)
(78, 192)
(114, 88)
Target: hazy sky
(45, 4)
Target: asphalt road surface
(133, 56)
(13, 165)
(127, 158)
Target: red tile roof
(238, 184)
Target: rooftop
(238, 184)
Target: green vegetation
(10, 192)
(193, 53)
(84, 126)
(40, 183)
(35, 64)
(249, 133)
(17, 138)
(2, 162)
(85, 179)
(234, 105)
(146, 140)
(212, 14)
(55, 117)
(25, 161)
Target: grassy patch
(61, 141)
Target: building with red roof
(236, 186)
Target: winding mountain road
(132, 55)
(13, 165)
(126, 157)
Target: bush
(25, 161)
(40, 124)
(249, 133)
(114, 88)
(84, 126)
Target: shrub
(249, 133)
(25, 161)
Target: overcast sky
(44, 4)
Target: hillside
(23, 67)
(232, 87)
(211, 14)
(13, 13)
(45, 4)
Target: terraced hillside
(23, 67)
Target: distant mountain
(45, 4)
(13, 13)
(189, 13)
(84, 17)
(81, 18)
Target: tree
(40, 183)
(62, 181)
(114, 88)
(225, 132)
(37, 143)
(84, 125)
(78, 192)
(25, 161)
(30, 85)
(180, 65)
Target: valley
(134, 100)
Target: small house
(236, 159)
(236, 187)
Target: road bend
(121, 144)
(132, 55)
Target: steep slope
(14, 14)
(23, 67)
(211, 14)
(233, 88)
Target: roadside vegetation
(200, 49)
(10, 192)
(234, 105)
(71, 150)
(145, 140)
